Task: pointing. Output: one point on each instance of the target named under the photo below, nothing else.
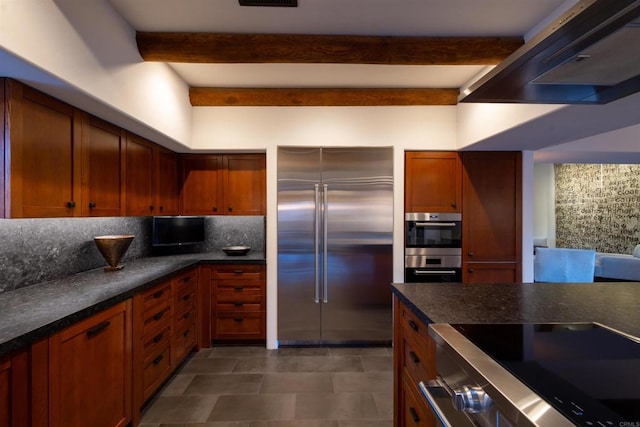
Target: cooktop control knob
(471, 399)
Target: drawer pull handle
(187, 315)
(414, 358)
(158, 359)
(414, 415)
(186, 297)
(98, 328)
(186, 333)
(158, 337)
(186, 279)
(413, 325)
(158, 316)
(158, 294)
(238, 271)
(238, 304)
(238, 319)
(238, 288)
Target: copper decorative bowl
(236, 250)
(113, 249)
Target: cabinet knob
(161, 208)
(92, 205)
(470, 253)
(71, 204)
(230, 208)
(215, 209)
(454, 205)
(470, 270)
(150, 207)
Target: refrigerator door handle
(325, 233)
(316, 244)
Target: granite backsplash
(36, 250)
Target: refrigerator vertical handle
(316, 244)
(325, 235)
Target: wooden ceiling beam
(306, 97)
(323, 49)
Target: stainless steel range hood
(589, 55)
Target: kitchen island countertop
(615, 304)
(30, 313)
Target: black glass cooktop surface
(588, 372)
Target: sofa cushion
(636, 251)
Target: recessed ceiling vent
(269, 3)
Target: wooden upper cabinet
(244, 181)
(139, 177)
(103, 168)
(433, 182)
(166, 182)
(44, 136)
(200, 192)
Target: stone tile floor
(256, 387)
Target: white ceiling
(506, 18)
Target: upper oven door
(433, 230)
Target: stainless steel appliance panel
(359, 231)
(346, 220)
(298, 293)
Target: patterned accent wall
(598, 207)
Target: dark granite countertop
(615, 304)
(31, 313)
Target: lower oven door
(440, 402)
(433, 275)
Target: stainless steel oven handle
(431, 401)
(435, 224)
(432, 272)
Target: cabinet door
(244, 184)
(200, 192)
(507, 272)
(90, 371)
(102, 171)
(492, 207)
(44, 169)
(166, 178)
(433, 182)
(5, 391)
(139, 177)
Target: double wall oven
(433, 247)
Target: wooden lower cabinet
(5, 391)
(90, 371)
(238, 303)
(414, 361)
(507, 272)
(164, 333)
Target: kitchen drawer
(156, 319)
(154, 342)
(240, 325)
(239, 272)
(188, 279)
(242, 302)
(414, 328)
(184, 340)
(156, 296)
(416, 412)
(185, 315)
(186, 297)
(239, 287)
(156, 368)
(414, 359)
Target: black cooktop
(588, 372)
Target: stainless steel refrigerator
(335, 226)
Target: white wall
(266, 128)
(544, 207)
(90, 52)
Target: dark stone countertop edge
(161, 269)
